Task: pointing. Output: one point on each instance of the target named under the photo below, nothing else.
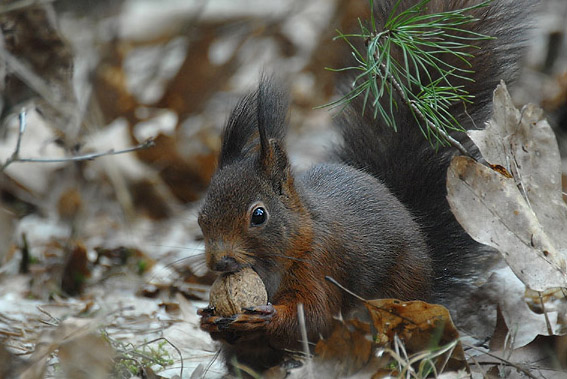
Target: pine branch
(422, 78)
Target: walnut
(236, 290)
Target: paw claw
(209, 311)
(267, 309)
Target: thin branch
(87, 157)
(423, 40)
(304, 340)
(456, 144)
(22, 129)
(547, 322)
(507, 362)
(15, 157)
(16, 154)
(333, 281)
(172, 345)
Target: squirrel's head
(252, 215)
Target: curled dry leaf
(524, 217)
(76, 270)
(426, 332)
(420, 326)
(80, 347)
(524, 143)
(521, 323)
(348, 348)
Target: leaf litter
(114, 267)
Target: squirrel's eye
(259, 216)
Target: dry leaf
(420, 326)
(524, 217)
(348, 348)
(524, 143)
(88, 356)
(68, 335)
(69, 203)
(76, 271)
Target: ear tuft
(262, 114)
(239, 131)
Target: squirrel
(374, 217)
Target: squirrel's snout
(226, 264)
(221, 256)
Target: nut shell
(236, 290)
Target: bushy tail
(405, 160)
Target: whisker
(196, 265)
(211, 362)
(194, 259)
(180, 247)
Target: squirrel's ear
(271, 119)
(275, 165)
(262, 112)
(240, 130)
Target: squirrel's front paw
(253, 319)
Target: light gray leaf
(524, 143)
(493, 211)
(523, 216)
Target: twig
(87, 157)
(210, 364)
(15, 157)
(304, 342)
(332, 280)
(547, 322)
(16, 154)
(507, 362)
(410, 103)
(172, 345)
(57, 321)
(21, 131)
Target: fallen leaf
(69, 203)
(524, 144)
(524, 217)
(492, 210)
(76, 271)
(348, 348)
(87, 356)
(419, 325)
(505, 289)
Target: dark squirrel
(375, 218)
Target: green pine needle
(421, 39)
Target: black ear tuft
(239, 131)
(260, 114)
(272, 127)
(271, 112)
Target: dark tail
(405, 160)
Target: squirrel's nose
(226, 264)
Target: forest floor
(101, 259)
